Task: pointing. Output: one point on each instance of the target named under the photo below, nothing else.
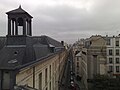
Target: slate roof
(48, 41)
(19, 11)
(78, 55)
(15, 56)
(2, 42)
(8, 58)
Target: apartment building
(77, 63)
(99, 55)
(113, 55)
(84, 72)
(90, 54)
(80, 63)
(96, 55)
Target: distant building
(91, 54)
(96, 56)
(78, 66)
(80, 63)
(113, 56)
(84, 72)
(31, 61)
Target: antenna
(117, 32)
(106, 33)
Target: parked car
(72, 85)
(71, 78)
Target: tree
(104, 82)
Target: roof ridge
(18, 10)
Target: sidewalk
(64, 78)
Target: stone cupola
(19, 23)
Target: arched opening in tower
(20, 26)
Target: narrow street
(68, 78)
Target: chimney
(62, 42)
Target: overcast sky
(67, 20)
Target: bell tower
(19, 27)
(19, 23)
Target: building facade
(113, 55)
(99, 56)
(44, 75)
(96, 56)
(80, 63)
(84, 71)
(77, 64)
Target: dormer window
(16, 52)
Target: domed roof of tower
(19, 10)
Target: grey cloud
(65, 22)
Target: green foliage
(104, 82)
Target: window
(40, 81)
(50, 72)
(117, 68)
(77, 58)
(16, 52)
(50, 86)
(108, 41)
(110, 52)
(84, 53)
(46, 76)
(117, 60)
(111, 68)
(77, 64)
(53, 67)
(90, 42)
(117, 51)
(78, 70)
(110, 60)
(6, 80)
(117, 42)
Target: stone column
(24, 27)
(12, 27)
(0, 79)
(9, 26)
(30, 27)
(16, 27)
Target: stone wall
(54, 65)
